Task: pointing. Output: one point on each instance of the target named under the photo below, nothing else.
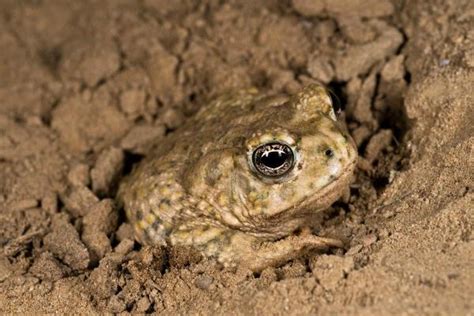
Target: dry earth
(86, 86)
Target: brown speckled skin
(198, 187)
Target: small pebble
(325, 29)
(172, 118)
(369, 240)
(444, 62)
(203, 281)
(354, 250)
(308, 7)
(49, 202)
(393, 174)
(6, 269)
(23, 205)
(125, 246)
(34, 120)
(384, 233)
(337, 8)
(469, 58)
(389, 214)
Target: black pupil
(273, 159)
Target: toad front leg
(232, 247)
(258, 255)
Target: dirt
(87, 86)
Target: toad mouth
(328, 188)
(272, 224)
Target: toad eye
(273, 159)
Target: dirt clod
(361, 134)
(106, 171)
(330, 270)
(360, 8)
(132, 102)
(125, 231)
(360, 101)
(78, 200)
(85, 123)
(98, 244)
(161, 69)
(89, 63)
(358, 59)
(116, 304)
(78, 175)
(356, 31)
(64, 242)
(320, 69)
(101, 217)
(140, 137)
(47, 267)
(394, 69)
(377, 143)
(103, 279)
(143, 305)
(293, 270)
(183, 256)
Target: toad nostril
(329, 153)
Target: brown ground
(86, 85)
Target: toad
(240, 177)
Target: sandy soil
(86, 86)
